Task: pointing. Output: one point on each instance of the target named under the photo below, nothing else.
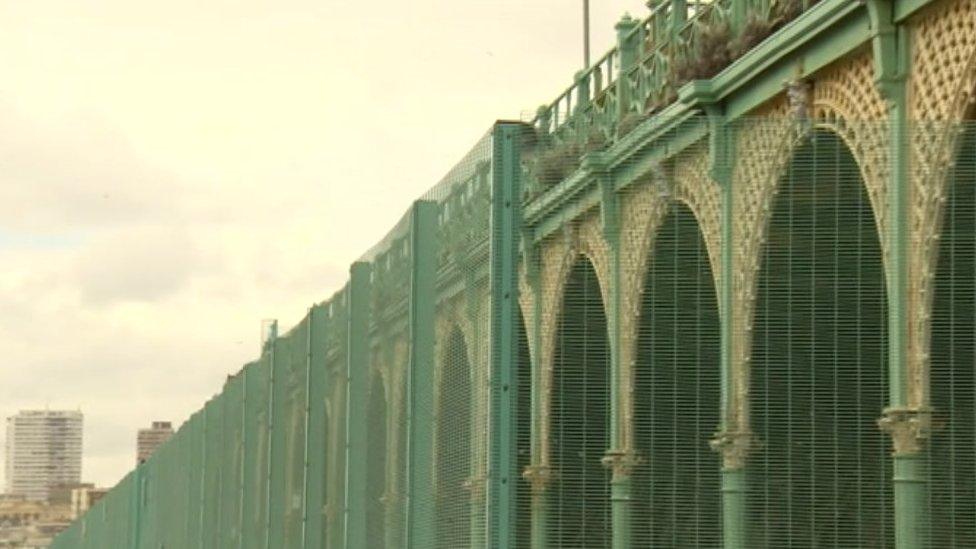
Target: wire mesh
(523, 434)
(386, 453)
(677, 385)
(376, 466)
(622, 378)
(822, 476)
(953, 357)
(579, 416)
(335, 405)
(232, 458)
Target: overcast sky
(172, 173)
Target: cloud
(139, 264)
(76, 172)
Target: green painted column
(620, 457)
(733, 441)
(420, 418)
(505, 225)
(357, 386)
(907, 419)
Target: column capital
(621, 462)
(539, 477)
(735, 447)
(909, 428)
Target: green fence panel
(257, 382)
(212, 472)
(232, 461)
(288, 437)
(194, 493)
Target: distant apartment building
(84, 498)
(148, 440)
(43, 449)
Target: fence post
(272, 337)
(505, 225)
(242, 500)
(357, 386)
(316, 464)
(420, 418)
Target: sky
(172, 173)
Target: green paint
(316, 442)
(505, 224)
(420, 420)
(911, 501)
(357, 387)
(307, 419)
(269, 477)
(734, 487)
(734, 508)
(242, 488)
(628, 44)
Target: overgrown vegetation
(551, 164)
(714, 46)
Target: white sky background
(173, 172)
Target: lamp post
(586, 34)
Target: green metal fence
(440, 399)
(633, 322)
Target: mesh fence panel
(232, 458)
(654, 309)
(335, 426)
(822, 475)
(953, 356)
(461, 318)
(677, 385)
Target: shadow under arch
(579, 514)
(819, 380)
(376, 427)
(953, 358)
(453, 452)
(677, 392)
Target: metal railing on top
(637, 76)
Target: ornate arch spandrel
(396, 414)
(468, 312)
(558, 254)
(942, 92)
(643, 209)
(845, 101)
